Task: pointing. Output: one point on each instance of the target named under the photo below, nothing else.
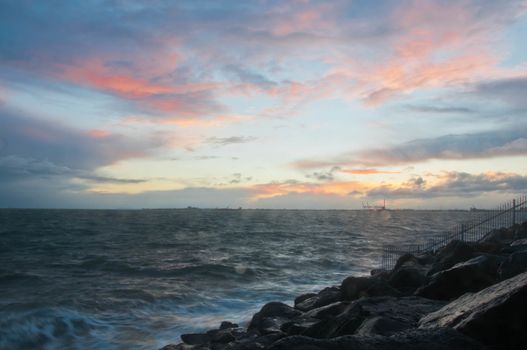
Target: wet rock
(469, 276)
(195, 338)
(408, 277)
(500, 236)
(519, 242)
(271, 317)
(496, 316)
(407, 310)
(255, 342)
(452, 254)
(420, 339)
(514, 264)
(303, 297)
(324, 297)
(382, 325)
(227, 324)
(298, 325)
(371, 286)
(328, 310)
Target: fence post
(462, 232)
(514, 211)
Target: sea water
(137, 279)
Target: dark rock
(382, 325)
(255, 342)
(515, 264)
(500, 236)
(519, 242)
(195, 338)
(496, 316)
(298, 325)
(376, 272)
(324, 297)
(417, 339)
(453, 253)
(469, 276)
(486, 248)
(271, 317)
(371, 286)
(303, 297)
(408, 277)
(227, 324)
(407, 310)
(328, 310)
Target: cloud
(510, 90)
(231, 140)
(369, 171)
(37, 138)
(489, 144)
(324, 175)
(439, 109)
(454, 184)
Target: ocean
(137, 279)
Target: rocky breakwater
(464, 296)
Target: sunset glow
(267, 104)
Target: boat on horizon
(367, 206)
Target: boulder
(328, 310)
(406, 310)
(408, 277)
(519, 242)
(356, 287)
(382, 325)
(254, 342)
(303, 297)
(496, 316)
(271, 317)
(453, 253)
(324, 297)
(469, 276)
(514, 264)
(416, 339)
(195, 338)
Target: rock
(328, 310)
(195, 338)
(227, 324)
(501, 236)
(519, 242)
(376, 272)
(408, 277)
(271, 317)
(469, 276)
(303, 297)
(324, 297)
(298, 325)
(371, 286)
(417, 339)
(515, 264)
(496, 316)
(254, 342)
(382, 326)
(453, 253)
(407, 310)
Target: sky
(262, 104)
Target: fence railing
(472, 230)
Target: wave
(51, 328)
(219, 271)
(16, 277)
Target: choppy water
(138, 279)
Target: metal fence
(473, 230)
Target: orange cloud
(98, 134)
(275, 189)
